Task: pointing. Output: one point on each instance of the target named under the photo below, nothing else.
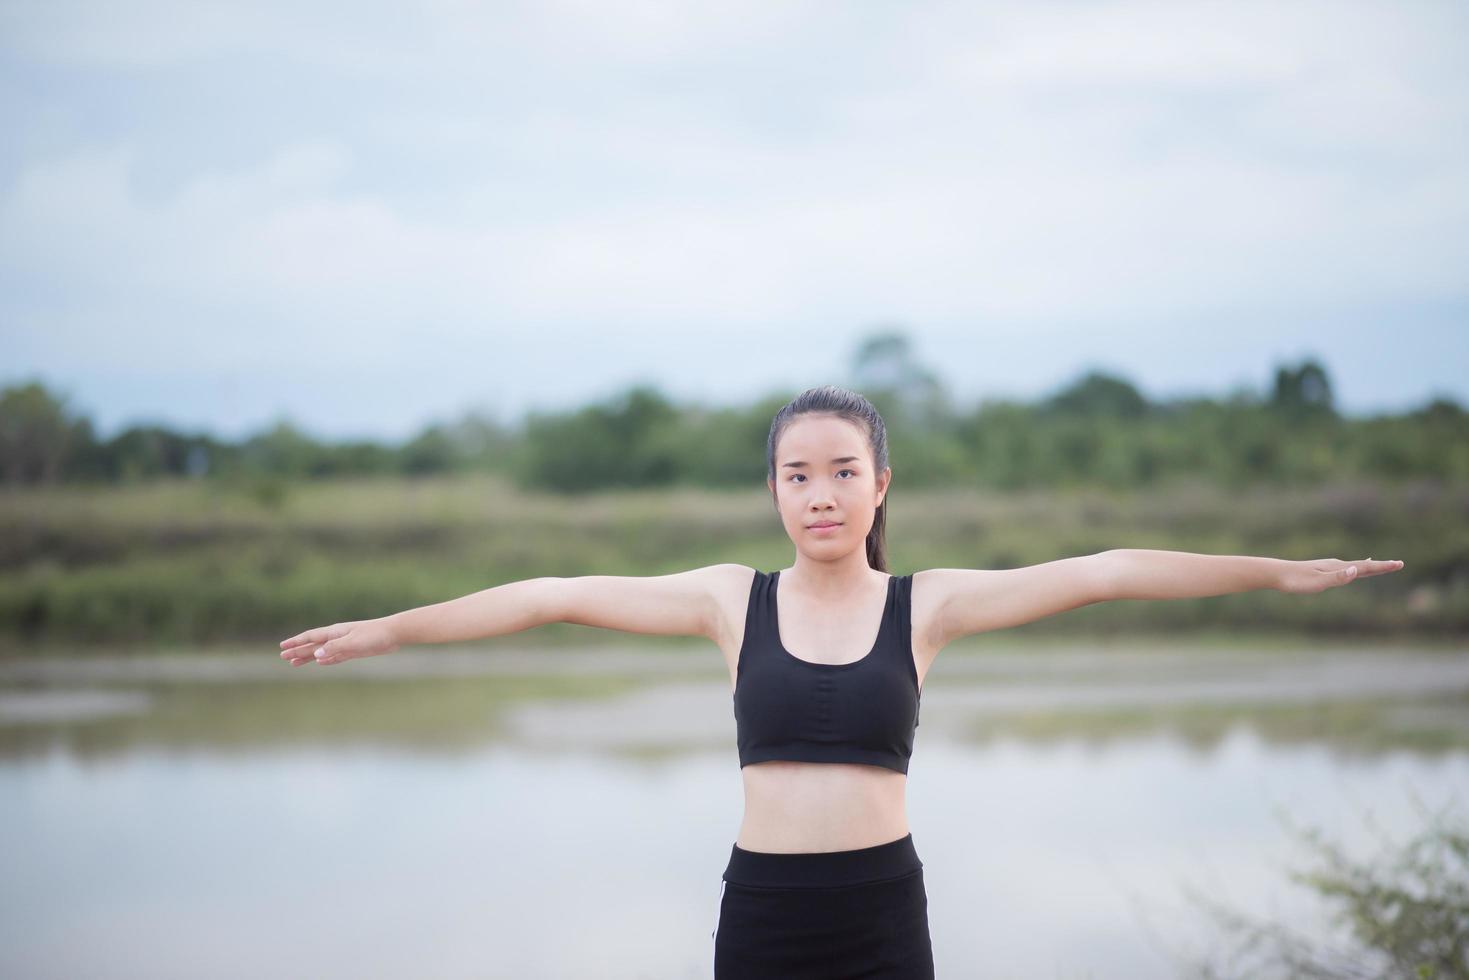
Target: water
(518, 813)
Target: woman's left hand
(1320, 574)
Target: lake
(494, 811)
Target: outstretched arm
(507, 608)
(1140, 573)
(682, 603)
(955, 602)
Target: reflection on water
(458, 813)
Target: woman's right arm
(683, 603)
(507, 608)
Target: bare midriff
(801, 807)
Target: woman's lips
(822, 528)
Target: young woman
(826, 660)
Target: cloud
(568, 166)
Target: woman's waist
(805, 807)
(818, 786)
(884, 861)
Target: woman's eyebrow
(839, 459)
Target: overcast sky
(368, 217)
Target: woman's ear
(883, 480)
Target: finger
(329, 653)
(319, 635)
(1377, 567)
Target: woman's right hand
(340, 641)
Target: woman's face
(824, 472)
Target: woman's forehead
(829, 436)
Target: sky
(365, 217)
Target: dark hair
(851, 407)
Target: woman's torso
(804, 806)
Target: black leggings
(836, 915)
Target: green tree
(37, 435)
(1097, 394)
(1302, 391)
(886, 371)
(622, 443)
(284, 450)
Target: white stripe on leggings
(718, 906)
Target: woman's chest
(827, 651)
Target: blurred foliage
(1098, 430)
(160, 536)
(1405, 914)
(185, 561)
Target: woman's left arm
(1141, 573)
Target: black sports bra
(865, 711)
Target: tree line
(1098, 430)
